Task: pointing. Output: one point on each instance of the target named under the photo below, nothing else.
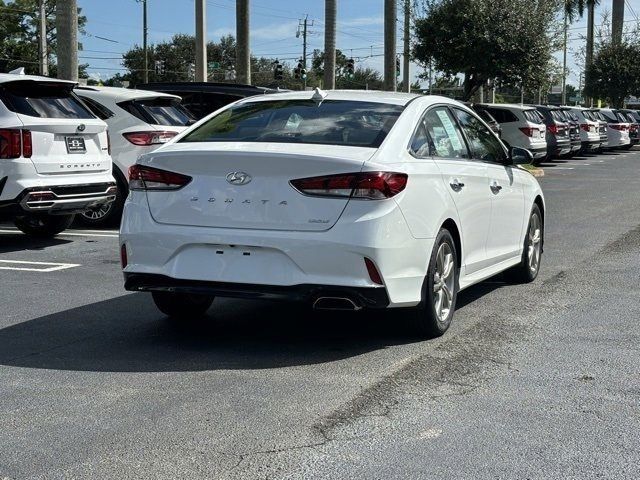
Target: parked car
(602, 129)
(139, 121)
(487, 117)
(570, 118)
(54, 155)
(202, 98)
(522, 126)
(617, 129)
(633, 118)
(589, 129)
(318, 197)
(557, 132)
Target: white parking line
(68, 233)
(45, 266)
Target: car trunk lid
(246, 185)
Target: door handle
(456, 185)
(495, 187)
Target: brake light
(362, 185)
(618, 126)
(553, 128)
(586, 127)
(528, 131)
(15, 143)
(142, 177)
(124, 261)
(145, 139)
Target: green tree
(511, 41)
(362, 78)
(614, 73)
(19, 36)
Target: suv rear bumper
(60, 199)
(354, 297)
(591, 145)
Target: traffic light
(397, 67)
(278, 70)
(159, 67)
(351, 68)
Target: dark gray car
(557, 136)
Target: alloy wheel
(535, 245)
(97, 214)
(444, 282)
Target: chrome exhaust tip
(335, 303)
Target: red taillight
(11, 143)
(528, 131)
(142, 177)
(27, 145)
(585, 126)
(362, 185)
(619, 126)
(123, 256)
(374, 274)
(154, 137)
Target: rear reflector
(374, 274)
(361, 185)
(123, 256)
(142, 177)
(153, 137)
(15, 143)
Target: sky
(114, 26)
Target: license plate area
(75, 145)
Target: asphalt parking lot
(531, 381)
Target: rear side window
(98, 109)
(332, 122)
(444, 138)
(159, 111)
(43, 99)
(502, 116)
(533, 116)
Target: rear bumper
(361, 297)
(538, 152)
(591, 145)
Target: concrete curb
(537, 172)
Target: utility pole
(407, 45)
(201, 41)
(617, 20)
(243, 51)
(390, 45)
(590, 39)
(67, 28)
(145, 34)
(564, 61)
(42, 40)
(330, 13)
(304, 24)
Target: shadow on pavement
(127, 334)
(18, 242)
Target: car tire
(109, 214)
(433, 316)
(182, 305)
(526, 271)
(43, 225)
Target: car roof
(17, 77)
(119, 94)
(376, 96)
(512, 106)
(209, 87)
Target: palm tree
(574, 9)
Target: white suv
(54, 155)
(617, 128)
(139, 122)
(589, 129)
(522, 126)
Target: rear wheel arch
(540, 203)
(452, 227)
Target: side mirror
(520, 156)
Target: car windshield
(43, 99)
(331, 122)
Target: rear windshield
(159, 111)
(43, 99)
(332, 122)
(558, 115)
(610, 117)
(533, 116)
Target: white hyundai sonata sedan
(341, 199)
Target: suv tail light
(15, 143)
(362, 185)
(586, 127)
(154, 137)
(146, 178)
(528, 131)
(618, 126)
(553, 128)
